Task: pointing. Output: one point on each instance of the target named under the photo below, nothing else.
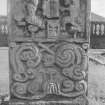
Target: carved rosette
(39, 70)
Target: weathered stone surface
(47, 65)
(80, 101)
(35, 19)
(47, 71)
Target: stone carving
(41, 20)
(48, 45)
(41, 69)
(77, 101)
(53, 29)
(51, 8)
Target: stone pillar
(48, 52)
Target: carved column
(48, 52)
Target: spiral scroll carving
(48, 59)
(19, 89)
(68, 86)
(65, 56)
(25, 60)
(27, 55)
(68, 54)
(72, 60)
(75, 73)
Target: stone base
(48, 103)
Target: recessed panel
(30, 19)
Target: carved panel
(48, 71)
(30, 20)
(47, 65)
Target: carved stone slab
(36, 19)
(47, 65)
(44, 71)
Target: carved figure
(49, 20)
(48, 61)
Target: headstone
(48, 42)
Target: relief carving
(41, 20)
(48, 46)
(53, 29)
(41, 69)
